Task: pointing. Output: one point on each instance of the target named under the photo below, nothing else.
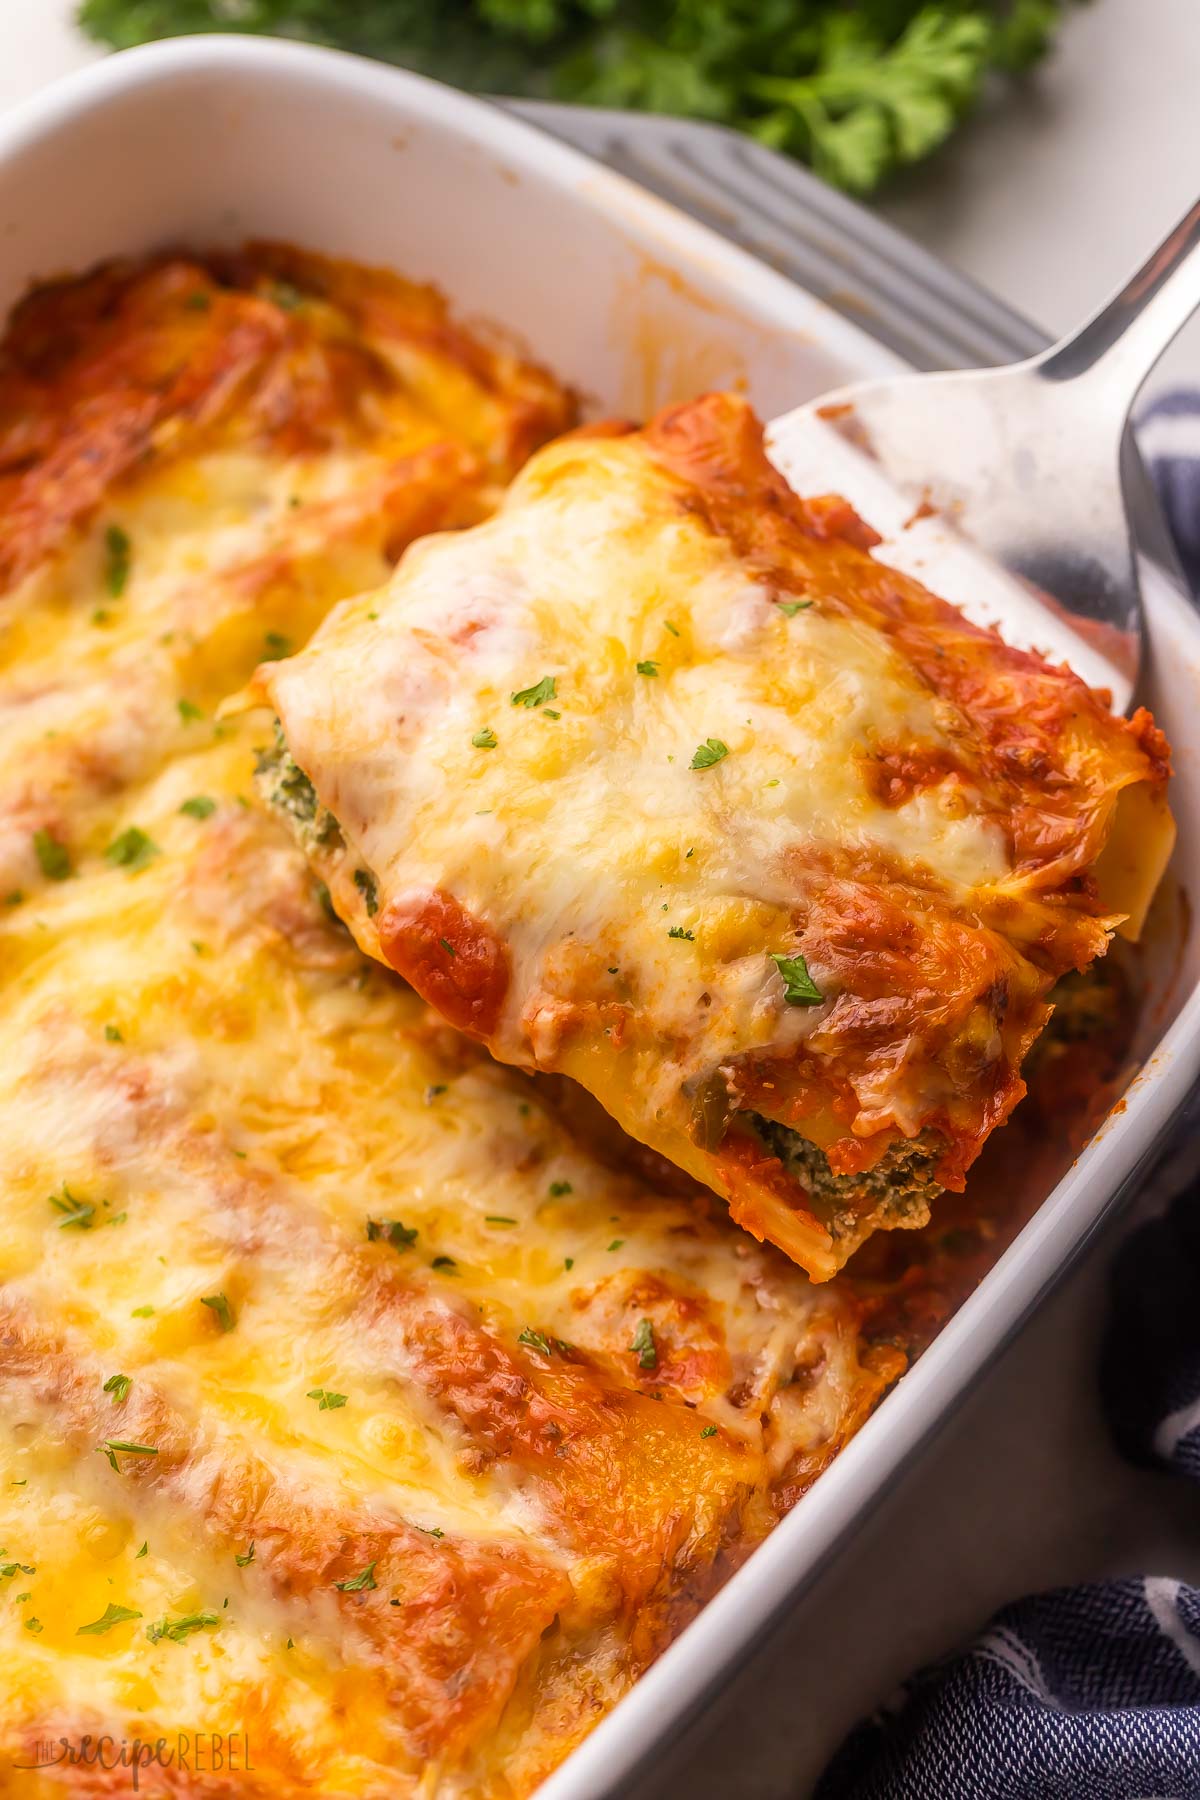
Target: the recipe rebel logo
(189, 1752)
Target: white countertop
(1048, 198)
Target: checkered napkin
(1087, 1693)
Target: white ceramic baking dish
(217, 139)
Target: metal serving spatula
(1002, 488)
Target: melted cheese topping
(356, 1406)
(598, 764)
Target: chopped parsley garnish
(789, 608)
(245, 1557)
(485, 739)
(112, 1615)
(673, 629)
(54, 859)
(198, 301)
(10, 1569)
(393, 1232)
(535, 1340)
(277, 644)
(326, 1399)
(558, 1188)
(643, 1346)
(677, 931)
(568, 1262)
(218, 1304)
(497, 1219)
(189, 712)
(356, 1583)
(112, 1035)
(551, 714)
(799, 988)
(14, 897)
(431, 1093)
(367, 886)
(537, 695)
(118, 1386)
(34, 1625)
(142, 1312)
(711, 751)
(709, 1431)
(111, 1446)
(447, 946)
(200, 806)
(434, 1531)
(286, 295)
(117, 550)
(144, 1551)
(443, 1262)
(616, 1243)
(74, 1211)
(649, 667)
(177, 1629)
(132, 850)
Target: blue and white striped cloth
(1087, 1693)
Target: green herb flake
(673, 629)
(368, 887)
(118, 1386)
(444, 1262)
(711, 751)
(535, 1340)
(677, 931)
(143, 1551)
(175, 1630)
(447, 946)
(198, 301)
(649, 667)
(789, 608)
(34, 1625)
(112, 1035)
(643, 1346)
(111, 1446)
(497, 1219)
(189, 712)
(74, 1211)
(559, 1188)
(616, 1244)
(112, 1615)
(118, 552)
(277, 643)
(485, 739)
(537, 695)
(142, 1312)
(200, 806)
(244, 1558)
(54, 859)
(799, 988)
(709, 1431)
(568, 1262)
(219, 1305)
(357, 1583)
(131, 850)
(393, 1232)
(286, 295)
(326, 1399)
(14, 897)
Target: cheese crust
(658, 779)
(359, 1400)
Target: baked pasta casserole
(370, 1407)
(660, 780)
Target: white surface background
(1049, 198)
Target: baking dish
(216, 140)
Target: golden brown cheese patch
(399, 1423)
(658, 779)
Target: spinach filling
(897, 1191)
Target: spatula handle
(1119, 345)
